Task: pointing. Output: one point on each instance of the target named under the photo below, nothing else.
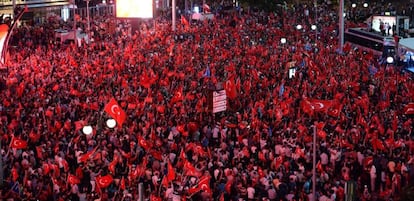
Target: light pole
(314, 164)
(341, 25)
(87, 20)
(174, 15)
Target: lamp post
(314, 165)
(87, 19)
(341, 25)
(174, 15)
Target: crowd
(172, 145)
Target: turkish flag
(72, 179)
(178, 95)
(409, 108)
(83, 158)
(171, 172)
(104, 181)
(115, 111)
(230, 88)
(203, 185)
(190, 170)
(144, 143)
(18, 143)
(320, 105)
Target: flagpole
(341, 25)
(314, 165)
(174, 16)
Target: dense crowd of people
(172, 145)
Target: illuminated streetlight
(283, 40)
(365, 5)
(298, 27)
(354, 5)
(313, 27)
(111, 123)
(390, 60)
(87, 130)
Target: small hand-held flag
(115, 111)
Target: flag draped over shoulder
(115, 111)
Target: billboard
(134, 8)
(4, 30)
(384, 22)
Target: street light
(87, 130)
(353, 5)
(87, 20)
(283, 40)
(298, 27)
(111, 123)
(313, 27)
(390, 60)
(365, 5)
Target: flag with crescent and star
(115, 111)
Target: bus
(368, 41)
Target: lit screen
(385, 20)
(134, 9)
(4, 29)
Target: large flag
(115, 111)
(315, 105)
(18, 143)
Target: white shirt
(250, 192)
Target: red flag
(79, 124)
(171, 172)
(190, 170)
(85, 157)
(39, 152)
(409, 108)
(203, 185)
(178, 95)
(18, 143)
(144, 143)
(155, 198)
(320, 105)
(122, 185)
(103, 181)
(112, 165)
(184, 21)
(230, 88)
(115, 111)
(34, 137)
(72, 179)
